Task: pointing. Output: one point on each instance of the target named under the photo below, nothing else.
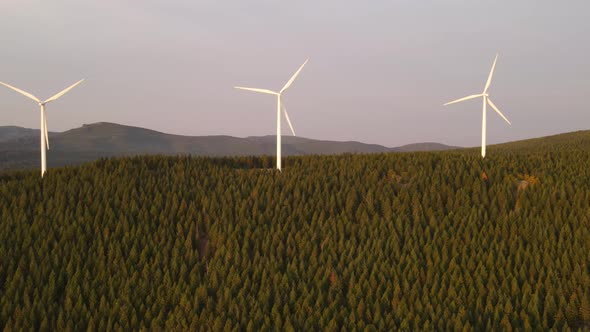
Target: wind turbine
(486, 101)
(279, 107)
(44, 133)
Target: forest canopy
(397, 241)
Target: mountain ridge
(19, 147)
(106, 139)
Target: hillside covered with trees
(391, 241)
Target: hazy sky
(379, 70)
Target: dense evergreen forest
(396, 241)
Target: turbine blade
(491, 75)
(498, 111)
(55, 97)
(257, 90)
(24, 93)
(293, 77)
(462, 99)
(288, 120)
(45, 130)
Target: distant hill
(19, 146)
(9, 133)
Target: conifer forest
(423, 241)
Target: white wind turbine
(44, 132)
(486, 101)
(279, 107)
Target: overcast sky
(379, 70)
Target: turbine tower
(279, 107)
(44, 132)
(486, 101)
